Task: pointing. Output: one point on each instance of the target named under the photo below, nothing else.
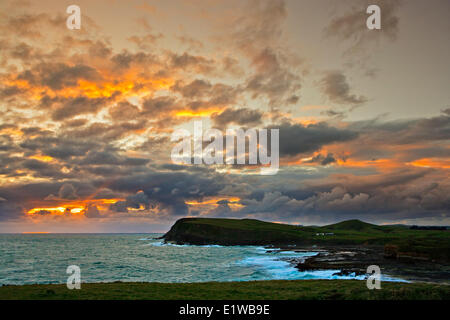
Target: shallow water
(43, 258)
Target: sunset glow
(88, 115)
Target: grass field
(433, 244)
(253, 290)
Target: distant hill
(356, 225)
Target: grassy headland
(252, 290)
(399, 240)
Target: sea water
(44, 258)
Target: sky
(87, 114)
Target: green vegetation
(253, 290)
(429, 244)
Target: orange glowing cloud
(42, 158)
(73, 208)
(379, 163)
(130, 84)
(11, 132)
(57, 210)
(198, 113)
(233, 202)
(35, 232)
(431, 163)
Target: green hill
(356, 225)
(402, 240)
(232, 232)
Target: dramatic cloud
(297, 138)
(67, 191)
(377, 198)
(87, 115)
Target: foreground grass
(253, 290)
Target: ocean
(44, 258)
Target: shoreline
(355, 260)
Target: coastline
(356, 259)
(347, 247)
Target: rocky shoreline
(355, 260)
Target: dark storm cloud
(407, 132)
(10, 211)
(23, 193)
(9, 164)
(372, 183)
(297, 138)
(110, 170)
(112, 158)
(77, 156)
(105, 193)
(336, 88)
(66, 192)
(169, 190)
(187, 168)
(41, 168)
(35, 131)
(59, 147)
(134, 201)
(411, 193)
(5, 146)
(104, 133)
(431, 129)
(6, 142)
(323, 160)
